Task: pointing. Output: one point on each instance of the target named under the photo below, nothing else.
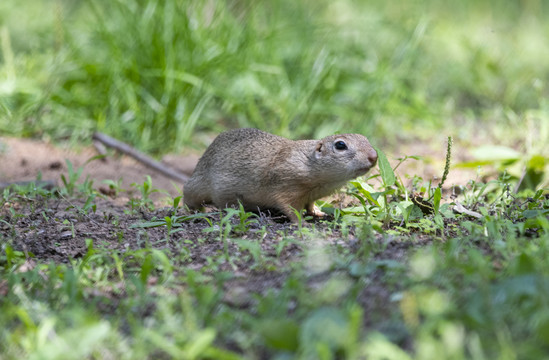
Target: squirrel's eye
(340, 145)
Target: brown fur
(265, 171)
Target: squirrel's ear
(318, 150)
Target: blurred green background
(157, 73)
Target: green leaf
(91, 338)
(379, 347)
(176, 201)
(281, 334)
(367, 192)
(357, 269)
(328, 326)
(162, 260)
(495, 153)
(524, 264)
(200, 342)
(543, 328)
(537, 163)
(146, 268)
(90, 250)
(385, 169)
(529, 214)
(473, 164)
(149, 224)
(436, 199)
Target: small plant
(254, 248)
(115, 187)
(10, 257)
(376, 204)
(70, 181)
(175, 204)
(175, 221)
(300, 219)
(89, 204)
(146, 189)
(245, 219)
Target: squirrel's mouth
(362, 170)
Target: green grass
(399, 276)
(156, 73)
(395, 283)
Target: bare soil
(26, 159)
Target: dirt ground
(25, 159)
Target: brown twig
(139, 156)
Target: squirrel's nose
(372, 157)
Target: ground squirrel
(265, 171)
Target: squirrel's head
(345, 156)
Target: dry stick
(139, 156)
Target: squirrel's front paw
(315, 211)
